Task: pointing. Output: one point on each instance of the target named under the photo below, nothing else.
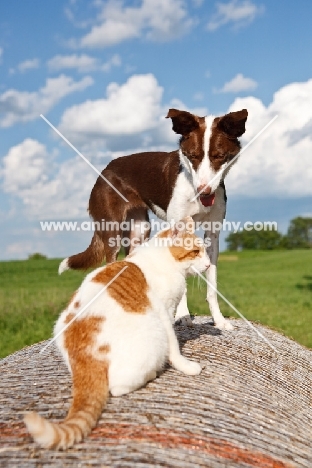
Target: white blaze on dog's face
(207, 145)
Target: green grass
(270, 287)
(32, 296)
(274, 288)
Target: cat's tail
(90, 393)
(92, 257)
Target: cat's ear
(185, 226)
(189, 224)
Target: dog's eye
(193, 156)
(219, 156)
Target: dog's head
(208, 145)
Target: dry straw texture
(250, 407)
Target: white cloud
(19, 249)
(31, 239)
(22, 106)
(236, 12)
(82, 62)
(130, 119)
(25, 66)
(33, 157)
(199, 96)
(128, 109)
(114, 61)
(28, 65)
(1, 54)
(278, 163)
(69, 13)
(239, 83)
(68, 184)
(157, 20)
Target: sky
(105, 73)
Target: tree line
(299, 236)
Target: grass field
(273, 288)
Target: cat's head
(185, 247)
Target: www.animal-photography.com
(156, 220)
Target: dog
(173, 185)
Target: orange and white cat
(125, 336)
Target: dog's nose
(204, 189)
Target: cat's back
(114, 312)
(118, 293)
(124, 282)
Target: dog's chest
(183, 201)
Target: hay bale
(250, 407)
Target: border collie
(185, 182)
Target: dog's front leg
(211, 274)
(183, 315)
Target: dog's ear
(183, 122)
(233, 124)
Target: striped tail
(90, 393)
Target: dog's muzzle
(206, 197)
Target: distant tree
(299, 234)
(36, 256)
(254, 240)
(234, 241)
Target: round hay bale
(250, 407)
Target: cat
(124, 338)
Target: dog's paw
(185, 320)
(225, 325)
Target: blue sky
(105, 73)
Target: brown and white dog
(167, 184)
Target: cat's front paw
(193, 368)
(187, 367)
(120, 390)
(224, 325)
